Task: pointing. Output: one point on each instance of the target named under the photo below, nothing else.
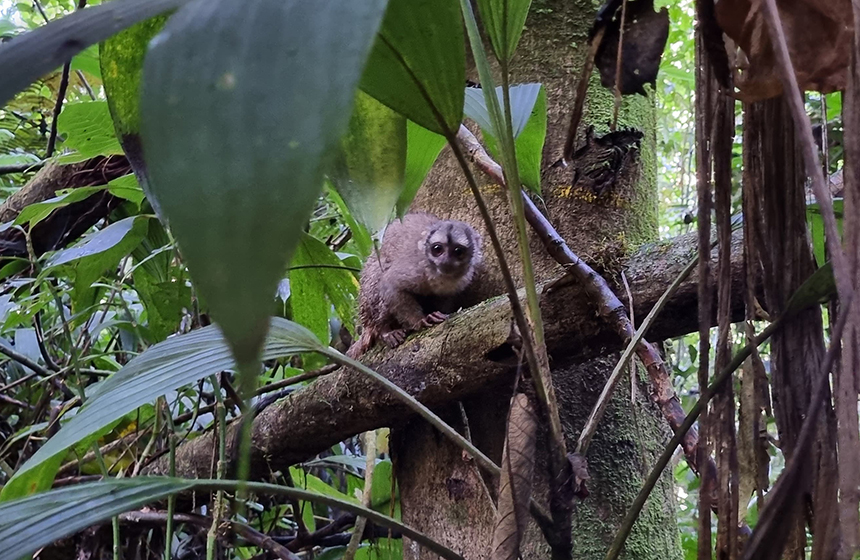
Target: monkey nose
(449, 268)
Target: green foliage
(418, 63)
(422, 149)
(319, 282)
(121, 64)
(369, 175)
(98, 252)
(504, 21)
(528, 120)
(28, 525)
(88, 131)
(258, 161)
(164, 367)
(239, 148)
(816, 228)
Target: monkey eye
(436, 249)
(458, 251)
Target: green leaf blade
(236, 145)
(418, 63)
(504, 21)
(422, 149)
(166, 366)
(32, 523)
(369, 176)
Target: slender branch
(371, 515)
(22, 167)
(15, 402)
(86, 84)
(61, 96)
(609, 306)
(335, 266)
(603, 401)
(581, 90)
(247, 532)
(23, 360)
(618, 60)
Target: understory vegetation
(187, 201)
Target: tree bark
(66, 224)
(439, 494)
(466, 355)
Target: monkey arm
(402, 306)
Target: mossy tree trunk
(442, 494)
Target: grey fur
(415, 279)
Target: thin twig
(687, 424)
(23, 360)
(366, 497)
(603, 400)
(785, 487)
(247, 532)
(21, 167)
(581, 90)
(15, 402)
(86, 84)
(630, 311)
(61, 93)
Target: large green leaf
(34, 213)
(369, 173)
(242, 105)
(100, 241)
(504, 21)
(164, 367)
(29, 524)
(46, 48)
(523, 100)
(528, 117)
(418, 64)
(818, 288)
(123, 187)
(88, 130)
(121, 58)
(422, 149)
(317, 285)
(97, 253)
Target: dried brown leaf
(515, 485)
(819, 35)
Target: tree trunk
(441, 493)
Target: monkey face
(451, 247)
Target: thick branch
(66, 224)
(466, 354)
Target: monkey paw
(433, 319)
(394, 338)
